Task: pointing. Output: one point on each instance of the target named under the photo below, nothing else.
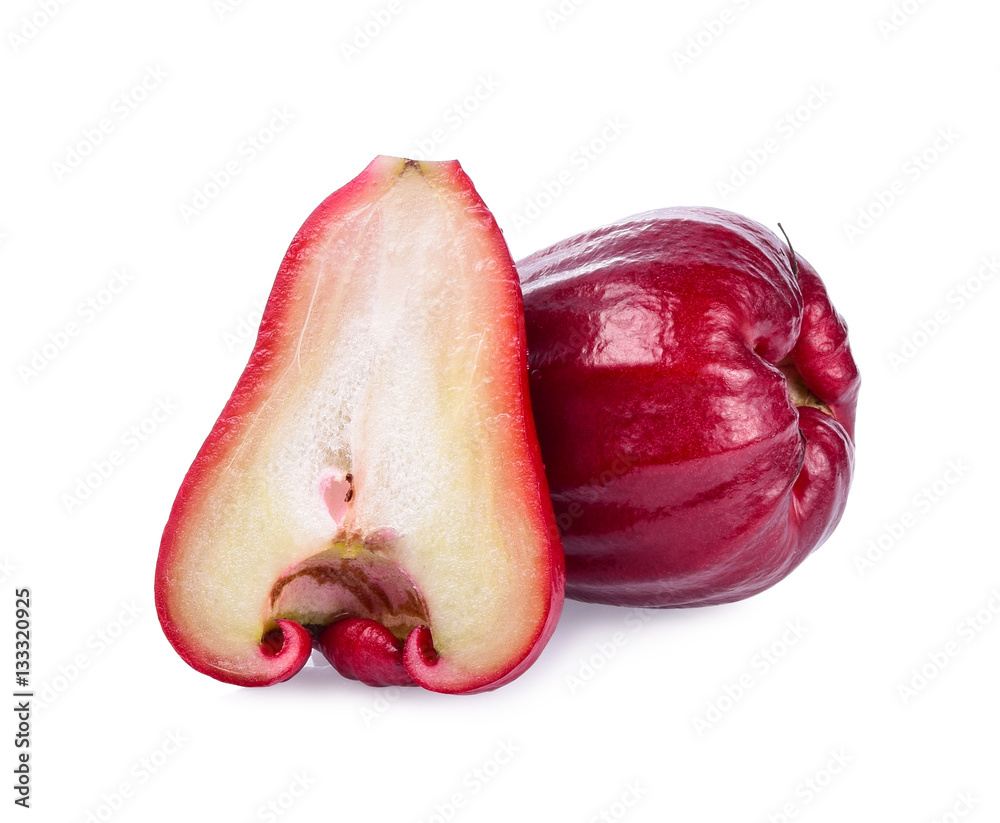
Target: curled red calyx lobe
(822, 353)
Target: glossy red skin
(680, 470)
(285, 652)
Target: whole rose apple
(694, 394)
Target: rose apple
(694, 394)
(373, 486)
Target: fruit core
(349, 579)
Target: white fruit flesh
(399, 365)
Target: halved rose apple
(374, 485)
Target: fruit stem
(795, 263)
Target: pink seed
(337, 495)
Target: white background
(110, 691)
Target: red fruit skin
(681, 471)
(284, 650)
